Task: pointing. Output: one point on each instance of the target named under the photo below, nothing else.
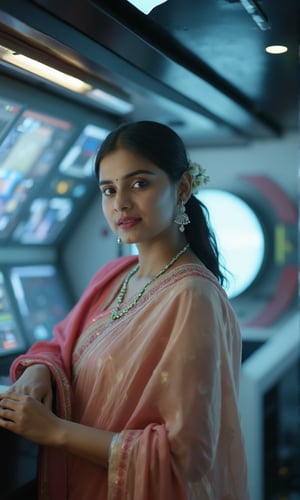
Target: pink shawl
(176, 358)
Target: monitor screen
(8, 112)
(43, 220)
(70, 185)
(27, 154)
(79, 160)
(42, 298)
(11, 338)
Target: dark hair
(163, 147)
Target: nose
(121, 201)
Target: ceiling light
(146, 6)
(110, 101)
(42, 70)
(257, 14)
(276, 49)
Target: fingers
(10, 402)
(7, 408)
(33, 391)
(4, 398)
(19, 389)
(13, 402)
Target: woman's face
(138, 199)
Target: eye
(107, 191)
(141, 183)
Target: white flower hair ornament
(199, 177)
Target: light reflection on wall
(239, 235)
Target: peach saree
(164, 377)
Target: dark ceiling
(198, 65)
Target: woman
(135, 398)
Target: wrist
(60, 435)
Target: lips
(128, 222)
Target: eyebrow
(127, 176)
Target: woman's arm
(29, 418)
(86, 442)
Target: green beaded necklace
(117, 312)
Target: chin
(129, 241)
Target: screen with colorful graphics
(42, 298)
(28, 152)
(46, 177)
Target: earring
(119, 241)
(182, 218)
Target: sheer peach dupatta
(165, 377)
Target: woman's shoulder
(190, 283)
(194, 286)
(195, 275)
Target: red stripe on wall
(282, 205)
(284, 294)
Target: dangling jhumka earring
(119, 241)
(182, 218)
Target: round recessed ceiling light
(276, 49)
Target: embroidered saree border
(118, 466)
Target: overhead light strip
(111, 101)
(105, 99)
(44, 71)
(257, 14)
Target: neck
(118, 312)
(152, 259)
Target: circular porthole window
(239, 236)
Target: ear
(184, 189)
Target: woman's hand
(29, 418)
(35, 382)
